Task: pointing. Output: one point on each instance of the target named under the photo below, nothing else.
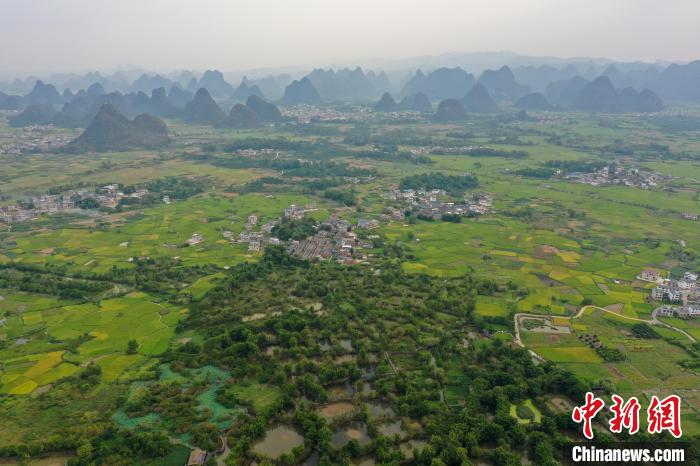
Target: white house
(196, 239)
(686, 284)
(694, 310)
(674, 294)
(658, 293)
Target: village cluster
(32, 139)
(333, 239)
(620, 175)
(308, 114)
(682, 295)
(256, 152)
(431, 203)
(106, 197)
(444, 150)
(305, 114)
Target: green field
(95, 332)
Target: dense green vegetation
(295, 229)
(437, 180)
(121, 343)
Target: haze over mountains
(672, 82)
(210, 98)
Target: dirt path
(160, 316)
(225, 450)
(391, 363)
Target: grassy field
(651, 366)
(96, 332)
(160, 232)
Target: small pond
(278, 441)
(355, 431)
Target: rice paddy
(99, 333)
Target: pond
(378, 409)
(340, 391)
(253, 317)
(355, 431)
(408, 447)
(278, 441)
(345, 344)
(312, 460)
(364, 462)
(389, 429)
(344, 358)
(332, 410)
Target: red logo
(665, 415)
(587, 412)
(661, 415)
(624, 415)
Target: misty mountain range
(674, 83)
(206, 98)
(104, 104)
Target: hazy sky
(65, 35)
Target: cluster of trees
(319, 148)
(88, 203)
(379, 309)
(489, 152)
(642, 330)
(363, 136)
(305, 185)
(499, 375)
(583, 165)
(174, 403)
(44, 281)
(610, 354)
(295, 168)
(295, 229)
(543, 173)
(342, 196)
(162, 275)
(392, 154)
(259, 184)
(119, 446)
(453, 184)
(281, 144)
(177, 188)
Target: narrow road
(664, 324)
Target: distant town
(621, 175)
(431, 205)
(33, 139)
(107, 196)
